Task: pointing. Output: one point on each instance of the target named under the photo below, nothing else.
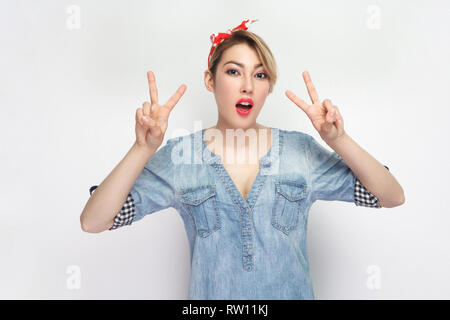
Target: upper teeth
(245, 103)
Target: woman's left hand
(324, 116)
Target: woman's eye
(260, 73)
(231, 70)
(265, 75)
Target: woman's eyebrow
(241, 65)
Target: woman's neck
(263, 134)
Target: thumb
(327, 126)
(339, 123)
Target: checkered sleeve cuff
(363, 197)
(125, 215)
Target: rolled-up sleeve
(125, 215)
(332, 179)
(364, 197)
(152, 191)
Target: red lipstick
(244, 106)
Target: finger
(145, 120)
(327, 126)
(299, 102)
(330, 115)
(146, 108)
(139, 117)
(337, 113)
(340, 121)
(310, 86)
(152, 86)
(176, 97)
(152, 123)
(156, 127)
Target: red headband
(216, 40)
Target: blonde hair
(255, 42)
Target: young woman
(245, 220)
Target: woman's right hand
(152, 118)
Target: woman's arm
(109, 197)
(371, 173)
(107, 200)
(328, 122)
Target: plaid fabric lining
(126, 214)
(363, 197)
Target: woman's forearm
(371, 173)
(108, 198)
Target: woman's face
(239, 74)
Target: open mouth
(244, 107)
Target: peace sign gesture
(324, 116)
(152, 118)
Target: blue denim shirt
(252, 248)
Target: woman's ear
(209, 81)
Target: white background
(68, 98)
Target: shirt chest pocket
(201, 205)
(287, 210)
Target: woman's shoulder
(169, 153)
(171, 142)
(294, 136)
(162, 157)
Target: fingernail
(145, 119)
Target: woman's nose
(247, 84)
